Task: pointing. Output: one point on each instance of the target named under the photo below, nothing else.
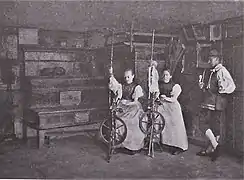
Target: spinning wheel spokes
(117, 132)
(156, 116)
(120, 126)
(149, 119)
(105, 126)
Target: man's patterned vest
(212, 99)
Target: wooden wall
(82, 64)
(9, 66)
(233, 53)
(231, 47)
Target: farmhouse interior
(55, 57)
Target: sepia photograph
(121, 89)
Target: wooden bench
(45, 120)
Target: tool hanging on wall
(176, 54)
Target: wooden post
(21, 57)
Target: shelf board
(67, 109)
(65, 77)
(148, 60)
(150, 34)
(31, 48)
(147, 44)
(125, 43)
(122, 43)
(63, 126)
(15, 87)
(39, 60)
(145, 34)
(59, 89)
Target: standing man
(216, 84)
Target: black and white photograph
(121, 89)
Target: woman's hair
(154, 63)
(129, 69)
(167, 69)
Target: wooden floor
(83, 157)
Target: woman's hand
(123, 101)
(132, 103)
(117, 100)
(162, 97)
(200, 84)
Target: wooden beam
(38, 48)
(228, 20)
(146, 44)
(139, 44)
(150, 34)
(115, 33)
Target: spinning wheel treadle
(114, 131)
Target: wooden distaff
(151, 145)
(111, 66)
(111, 103)
(149, 69)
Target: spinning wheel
(152, 119)
(115, 131)
(152, 124)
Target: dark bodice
(128, 90)
(166, 88)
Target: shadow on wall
(6, 121)
(27, 90)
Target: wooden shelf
(145, 60)
(15, 87)
(65, 109)
(59, 89)
(60, 125)
(139, 44)
(65, 77)
(150, 34)
(122, 43)
(72, 61)
(147, 44)
(28, 48)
